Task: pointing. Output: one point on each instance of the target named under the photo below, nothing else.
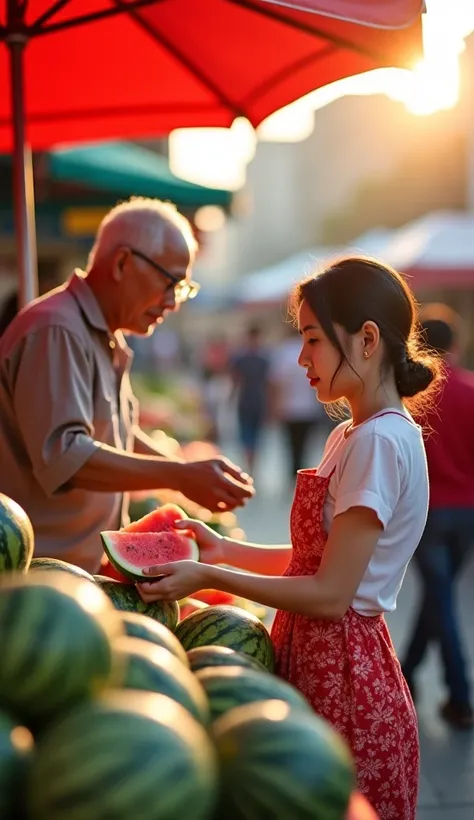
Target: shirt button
(112, 344)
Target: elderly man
(70, 445)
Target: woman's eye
(312, 341)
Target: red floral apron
(350, 673)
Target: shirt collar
(90, 307)
(86, 300)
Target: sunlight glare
(219, 156)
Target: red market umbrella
(97, 69)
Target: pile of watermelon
(110, 708)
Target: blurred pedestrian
(216, 382)
(292, 401)
(448, 538)
(250, 370)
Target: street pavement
(447, 781)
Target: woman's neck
(370, 403)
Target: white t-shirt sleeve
(369, 476)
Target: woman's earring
(366, 354)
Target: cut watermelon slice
(162, 519)
(132, 552)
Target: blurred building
(368, 162)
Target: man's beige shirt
(64, 390)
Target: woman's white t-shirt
(380, 464)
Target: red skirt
(348, 670)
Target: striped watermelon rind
(146, 629)
(231, 686)
(228, 626)
(126, 599)
(150, 668)
(204, 657)
(57, 565)
(124, 755)
(56, 635)
(16, 537)
(276, 761)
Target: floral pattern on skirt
(348, 670)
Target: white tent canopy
(437, 250)
(443, 240)
(272, 284)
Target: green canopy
(126, 169)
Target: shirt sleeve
(53, 403)
(369, 476)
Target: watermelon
(153, 669)
(126, 598)
(131, 552)
(228, 626)
(126, 756)
(56, 565)
(229, 686)
(162, 519)
(16, 745)
(16, 537)
(203, 657)
(282, 763)
(360, 809)
(56, 635)
(140, 626)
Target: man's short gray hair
(141, 222)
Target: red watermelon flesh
(108, 571)
(131, 552)
(189, 605)
(162, 519)
(213, 597)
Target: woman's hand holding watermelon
(179, 580)
(210, 543)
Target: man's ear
(119, 261)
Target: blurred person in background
(214, 364)
(292, 401)
(71, 447)
(447, 541)
(250, 371)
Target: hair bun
(412, 376)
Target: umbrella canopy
(179, 63)
(94, 69)
(124, 169)
(388, 14)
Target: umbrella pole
(23, 191)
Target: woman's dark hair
(353, 290)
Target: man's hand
(215, 484)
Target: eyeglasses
(183, 290)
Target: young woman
(355, 523)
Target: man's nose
(169, 302)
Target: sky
(218, 157)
